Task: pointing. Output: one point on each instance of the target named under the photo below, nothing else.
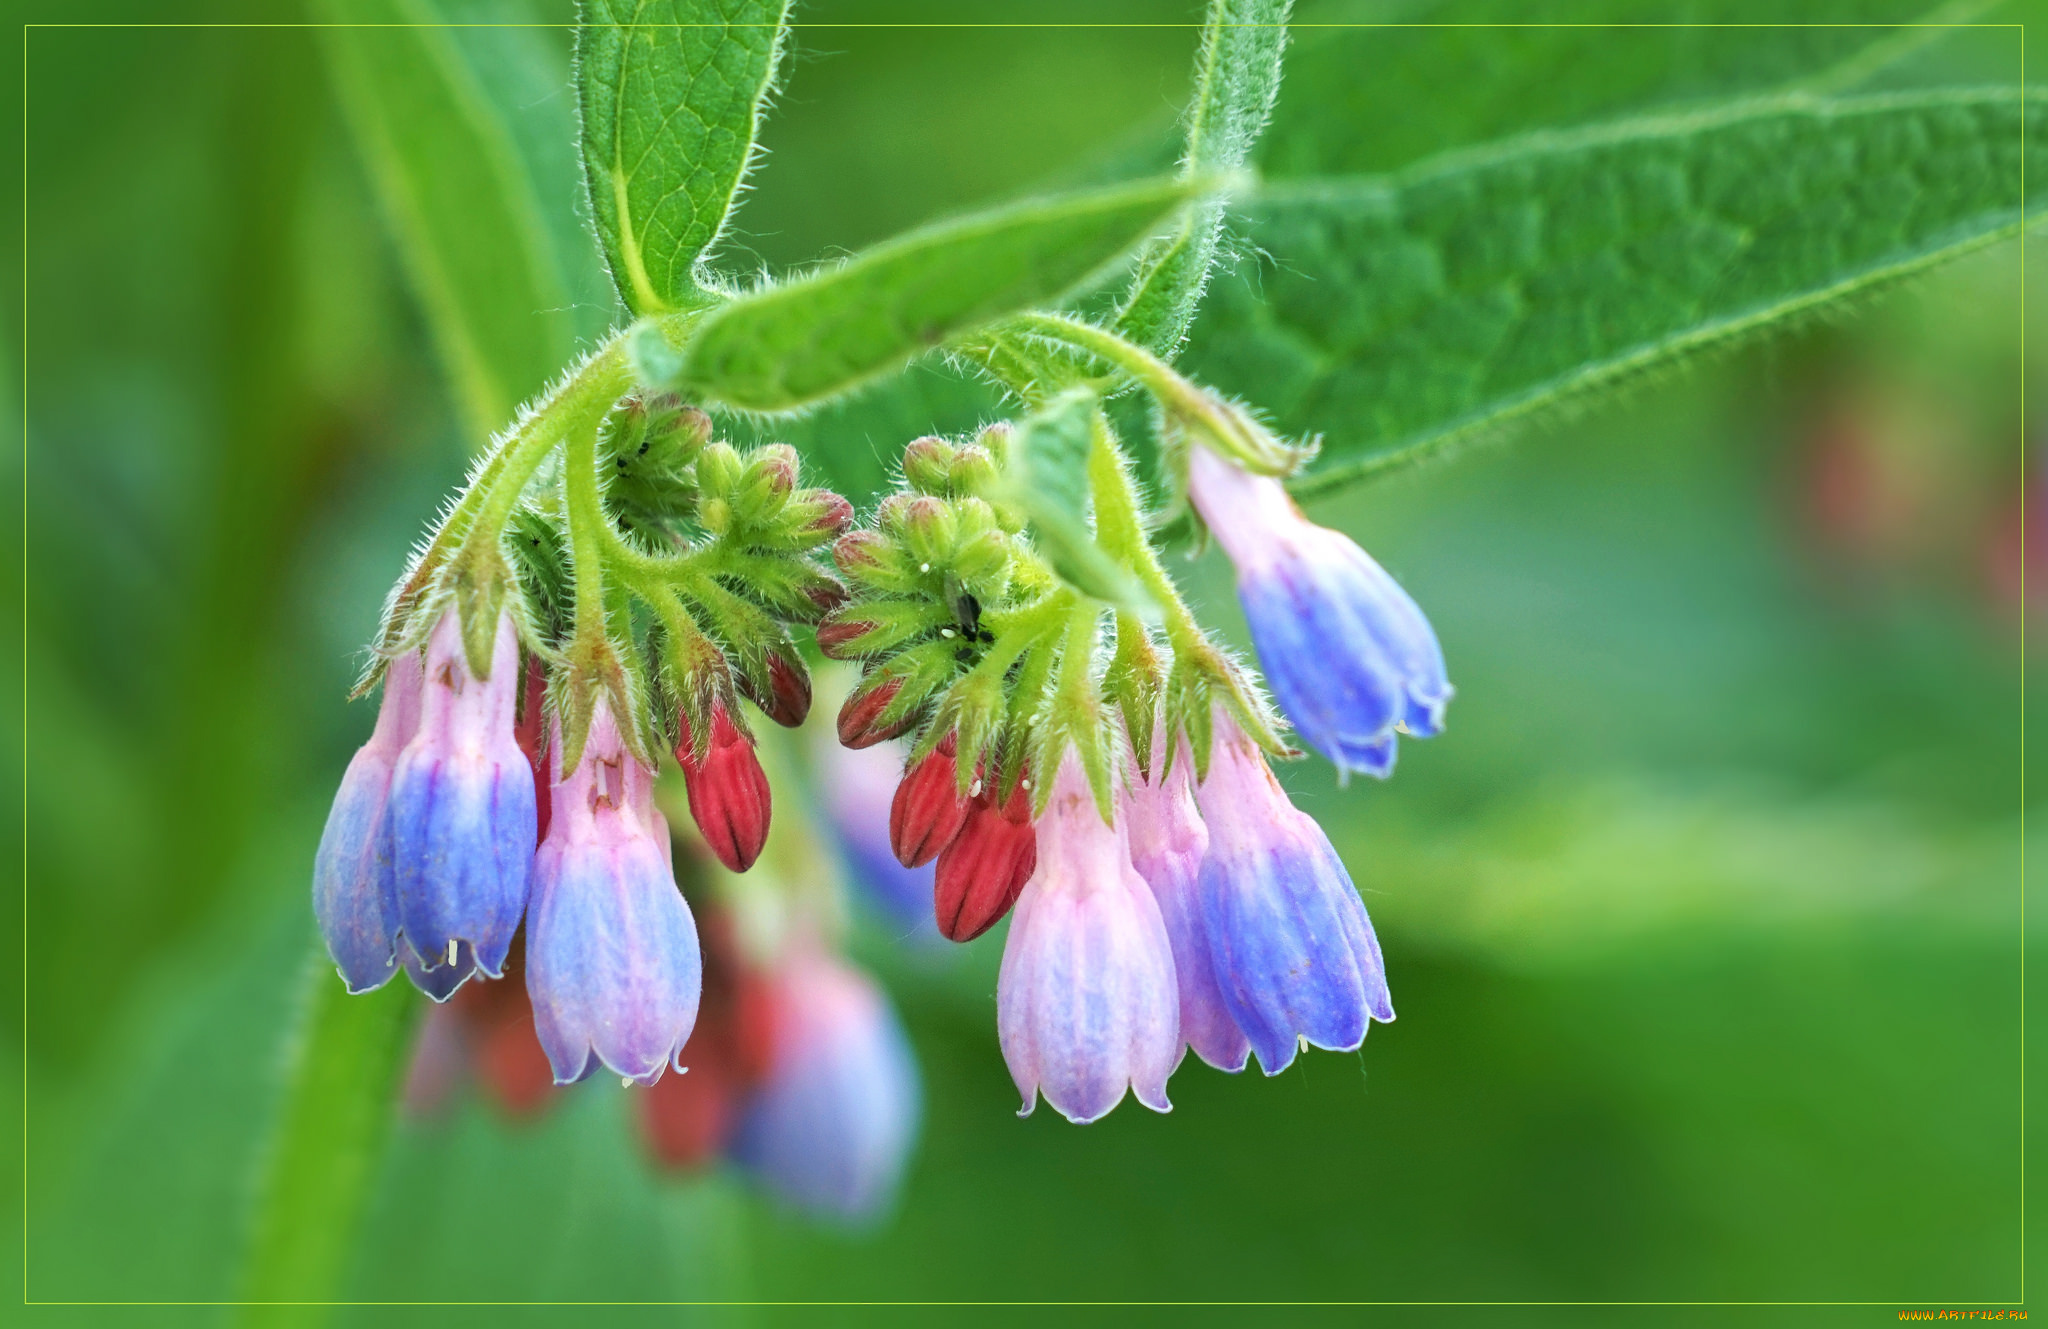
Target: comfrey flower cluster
(1085, 759)
(1078, 753)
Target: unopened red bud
(927, 812)
(788, 698)
(858, 549)
(835, 514)
(826, 593)
(889, 514)
(728, 791)
(860, 719)
(983, 871)
(776, 466)
(839, 638)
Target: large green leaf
(1237, 75)
(786, 346)
(1404, 313)
(1367, 99)
(461, 203)
(671, 93)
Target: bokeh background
(1703, 919)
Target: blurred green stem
(339, 1099)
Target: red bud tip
(927, 813)
(728, 792)
(835, 514)
(860, 722)
(826, 593)
(983, 871)
(789, 693)
(857, 549)
(839, 638)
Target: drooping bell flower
(1294, 953)
(1350, 657)
(855, 784)
(1086, 1004)
(983, 871)
(728, 790)
(1168, 844)
(462, 811)
(354, 891)
(928, 810)
(831, 1126)
(613, 966)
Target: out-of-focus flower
(1086, 1003)
(1168, 844)
(614, 968)
(1350, 657)
(831, 1126)
(688, 1119)
(1294, 953)
(982, 872)
(354, 894)
(854, 785)
(729, 797)
(462, 811)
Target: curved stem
(1121, 532)
(1221, 425)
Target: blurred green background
(1703, 920)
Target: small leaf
(1237, 75)
(1046, 478)
(460, 200)
(1407, 312)
(671, 93)
(789, 345)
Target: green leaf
(671, 93)
(1046, 478)
(460, 201)
(1367, 99)
(340, 1098)
(789, 345)
(1406, 313)
(1237, 76)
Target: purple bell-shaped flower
(462, 813)
(354, 895)
(612, 959)
(1351, 659)
(1168, 843)
(1086, 1003)
(1294, 953)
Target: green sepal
(1133, 684)
(541, 551)
(1076, 717)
